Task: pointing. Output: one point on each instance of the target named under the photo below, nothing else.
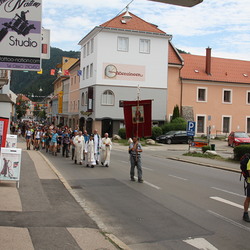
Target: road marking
(150, 184)
(124, 162)
(226, 202)
(177, 177)
(200, 243)
(149, 169)
(223, 190)
(229, 220)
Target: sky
(223, 25)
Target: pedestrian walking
(79, 148)
(135, 150)
(90, 152)
(247, 200)
(106, 149)
(66, 143)
(97, 143)
(53, 142)
(72, 144)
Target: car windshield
(241, 135)
(170, 133)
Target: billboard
(20, 34)
(45, 44)
(4, 123)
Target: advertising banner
(20, 34)
(10, 164)
(138, 118)
(11, 141)
(45, 44)
(4, 123)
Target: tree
(36, 111)
(21, 108)
(176, 112)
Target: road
(179, 205)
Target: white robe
(90, 150)
(106, 148)
(79, 143)
(98, 143)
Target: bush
(122, 133)
(174, 126)
(156, 131)
(239, 151)
(205, 148)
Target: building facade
(116, 58)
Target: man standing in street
(97, 142)
(247, 200)
(79, 147)
(135, 150)
(106, 148)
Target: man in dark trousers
(135, 150)
(247, 200)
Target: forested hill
(30, 82)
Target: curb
(112, 238)
(204, 164)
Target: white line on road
(150, 184)
(229, 220)
(226, 201)
(223, 190)
(124, 162)
(200, 243)
(177, 177)
(149, 169)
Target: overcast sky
(223, 25)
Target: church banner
(138, 118)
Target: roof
(135, 23)
(222, 70)
(173, 55)
(23, 97)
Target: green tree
(176, 112)
(21, 108)
(42, 114)
(36, 110)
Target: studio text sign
(20, 34)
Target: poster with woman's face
(10, 164)
(137, 114)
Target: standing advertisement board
(11, 141)
(10, 164)
(20, 34)
(4, 123)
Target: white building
(116, 57)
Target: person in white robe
(90, 152)
(79, 144)
(98, 144)
(106, 149)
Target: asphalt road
(179, 206)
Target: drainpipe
(208, 61)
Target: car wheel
(168, 141)
(189, 141)
(233, 145)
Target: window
(227, 96)
(248, 97)
(83, 73)
(87, 48)
(75, 79)
(86, 98)
(226, 124)
(87, 72)
(108, 98)
(84, 51)
(200, 124)
(248, 125)
(83, 99)
(91, 70)
(122, 44)
(145, 46)
(201, 95)
(71, 81)
(92, 45)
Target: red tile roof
(23, 97)
(222, 70)
(173, 55)
(135, 23)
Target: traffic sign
(191, 128)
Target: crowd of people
(83, 148)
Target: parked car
(175, 137)
(238, 138)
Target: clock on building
(110, 71)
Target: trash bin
(213, 147)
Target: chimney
(208, 61)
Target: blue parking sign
(191, 128)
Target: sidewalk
(43, 214)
